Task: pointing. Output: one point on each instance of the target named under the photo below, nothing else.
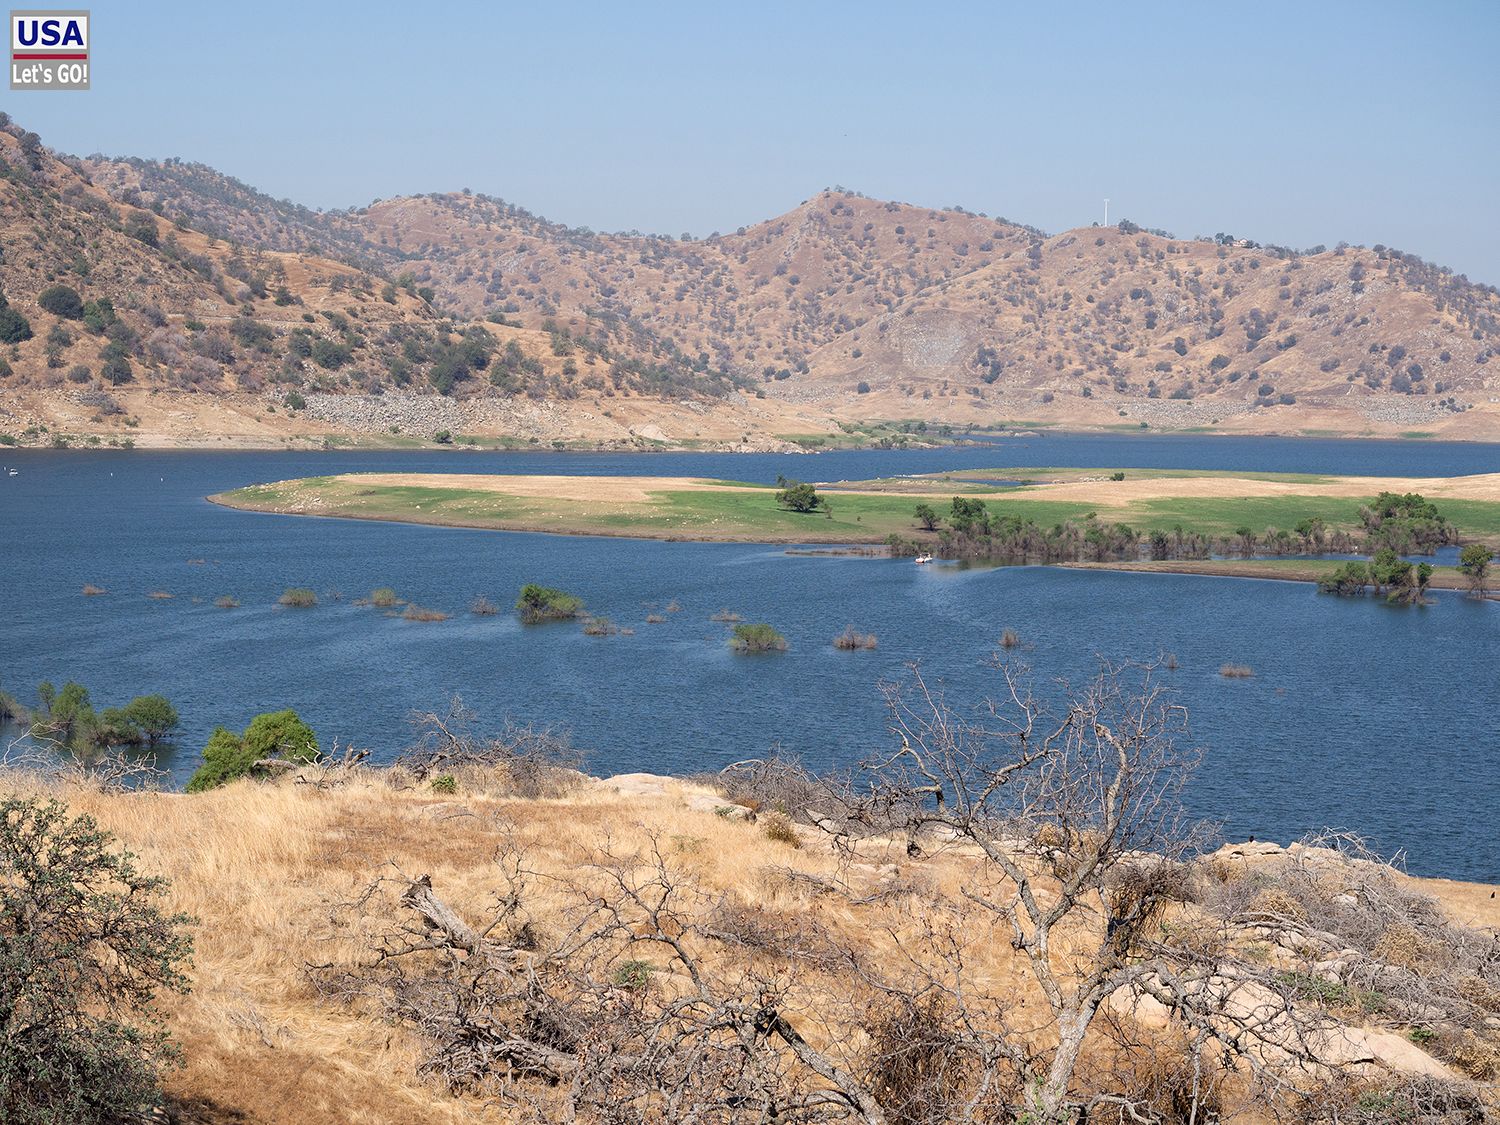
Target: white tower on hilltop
(1106, 212)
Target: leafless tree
(109, 771)
(534, 761)
(582, 1023)
(642, 995)
(1074, 810)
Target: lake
(1359, 715)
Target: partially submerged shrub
(226, 602)
(384, 597)
(545, 603)
(1236, 671)
(92, 591)
(277, 736)
(654, 619)
(1009, 639)
(152, 715)
(600, 627)
(483, 607)
(417, 613)
(160, 595)
(757, 638)
(852, 638)
(725, 616)
(298, 597)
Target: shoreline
(1270, 570)
(355, 442)
(1266, 570)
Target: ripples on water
(1359, 715)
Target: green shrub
(544, 603)
(778, 827)
(276, 735)
(799, 497)
(1348, 580)
(153, 715)
(61, 300)
(84, 948)
(632, 975)
(384, 597)
(757, 638)
(445, 783)
(330, 355)
(13, 326)
(299, 597)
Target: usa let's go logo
(49, 50)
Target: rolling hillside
(124, 324)
(845, 308)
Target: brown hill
(873, 309)
(120, 326)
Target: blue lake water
(1360, 715)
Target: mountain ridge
(844, 310)
(772, 301)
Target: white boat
(14, 472)
(922, 559)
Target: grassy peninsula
(1212, 504)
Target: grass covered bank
(1207, 503)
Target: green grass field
(860, 512)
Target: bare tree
(1075, 810)
(534, 761)
(640, 994)
(583, 1024)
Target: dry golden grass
(264, 867)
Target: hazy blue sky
(1295, 123)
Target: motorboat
(923, 559)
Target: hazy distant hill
(846, 297)
(845, 305)
(120, 304)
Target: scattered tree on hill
(14, 327)
(928, 517)
(61, 300)
(85, 947)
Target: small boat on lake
(923, 559)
